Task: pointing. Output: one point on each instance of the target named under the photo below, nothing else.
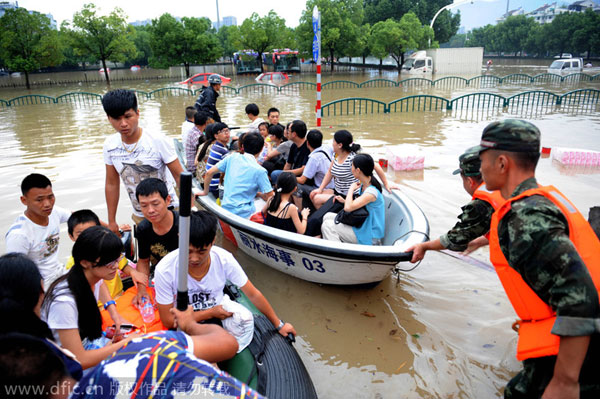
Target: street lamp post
(447, 7)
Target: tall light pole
(218, 19)
(447, 7)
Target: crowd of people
(544, 252)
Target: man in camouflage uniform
(533, 236)
(474, 221)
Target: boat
(321, 261)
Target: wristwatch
(281, 323)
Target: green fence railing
(30, 99)
(340, 84)
(296, 86)
(82, 98)
(518, 78)
(587, 97)
(580, 97)
(379, 83)
(534, 98)
(547, 78)
(415, 82)
(478, 100)
(450, 82)
(170, 91)
(485, 81)
(418, 103)
(350, 106)
(258, 88)
(142, 95)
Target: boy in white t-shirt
(133, 155)
(36, 232)
(209, 269)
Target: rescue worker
(207, 100)
(548, 260)
(475, 217)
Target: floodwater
(441, 330)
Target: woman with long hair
(71, 304)
(344, 150)
(280, 210)
(372, 230)
(21, 296)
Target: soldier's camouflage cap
(514, 135)
(469, 162)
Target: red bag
(258, 217)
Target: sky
(475, 14)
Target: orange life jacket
(494, 198)
(537, 317)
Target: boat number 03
(314, 265)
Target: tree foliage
(340, 26)
(262, 34)
(189, 41)
(142, 39)
(396, 38)
(446, 25)
(226, 36)
(104, 37)
(27, 42)
(568, 32)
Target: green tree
(106, 38)
(587, 37)
(263, 33)
(363, 49)
(483, 37)
(143, 45)
(446, 24)
(340, 27)
(27, 42)
(395, 38)
(191, 41)
(513, 33)
(226, 36)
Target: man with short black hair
(209, 269)
(36, 233)
(299, 151)
(158, 233)
(133, 155)
(548, 260)
(273, 117)
(194, 139)
(316, 167)
(244, 178)
(252, 112)
(188, 124)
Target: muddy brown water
(439, 331)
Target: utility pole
(507, 6)
(218, 19)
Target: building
(229, 21)
(546, 13)
(511, 13)
(6, 5)
(226, 21)
(581, 6)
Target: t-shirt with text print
(203, 294)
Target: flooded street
(439, 331)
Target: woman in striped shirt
(344, 150)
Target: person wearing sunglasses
(70, 307)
